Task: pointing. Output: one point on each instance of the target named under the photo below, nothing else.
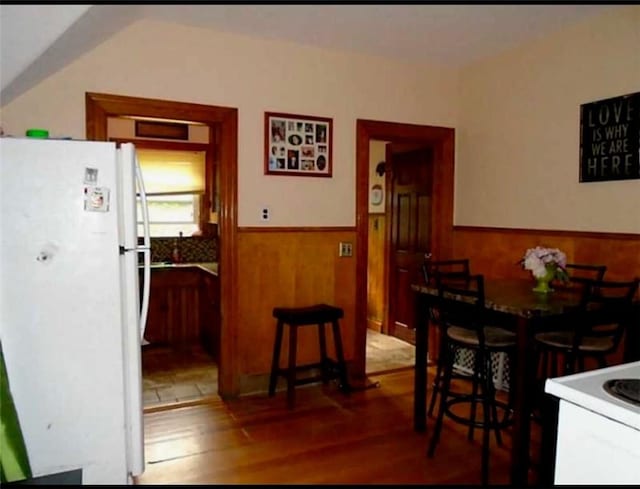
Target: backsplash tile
(192, 249)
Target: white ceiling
(37, 40)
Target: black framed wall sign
(610, 139)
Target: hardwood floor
(366, 437)
(172, 378)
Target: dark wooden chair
(453, 270)
(580, 275)
(463, 315)
(595, 329)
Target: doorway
(179, 358)
(440, 140)
(222, 123)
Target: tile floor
(172, 378)
(386, 353)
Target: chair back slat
(582, 273)
(461, 303)
(452, 271)
(457, 268)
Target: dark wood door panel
(410, 237)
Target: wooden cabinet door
(174, 308)
(210, 304)
(156, 330)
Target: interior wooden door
(410, 184)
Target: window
(175, 183)
(170, 215)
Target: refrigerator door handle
(145, 249)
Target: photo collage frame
(298, 145)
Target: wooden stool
(318, 314)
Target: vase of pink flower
(545, 265)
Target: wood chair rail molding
(223, 137)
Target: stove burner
(625, 389)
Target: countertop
(586, 390)
(209, 267)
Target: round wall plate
(376, 194)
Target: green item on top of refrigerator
(14, 460)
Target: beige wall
(516, 115)
(166, 61)
(519, 133)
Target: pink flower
(539, 259)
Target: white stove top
(587, 390)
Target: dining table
(527, 312)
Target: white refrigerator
(71, 313)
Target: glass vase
(543, 284)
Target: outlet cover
(345, 249)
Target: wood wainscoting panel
(497, 251)
(375, 273)
(290, 268)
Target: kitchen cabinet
(174, 307)
(210, 314)
(184, 308)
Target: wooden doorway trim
(223, 124)
(442, 139)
